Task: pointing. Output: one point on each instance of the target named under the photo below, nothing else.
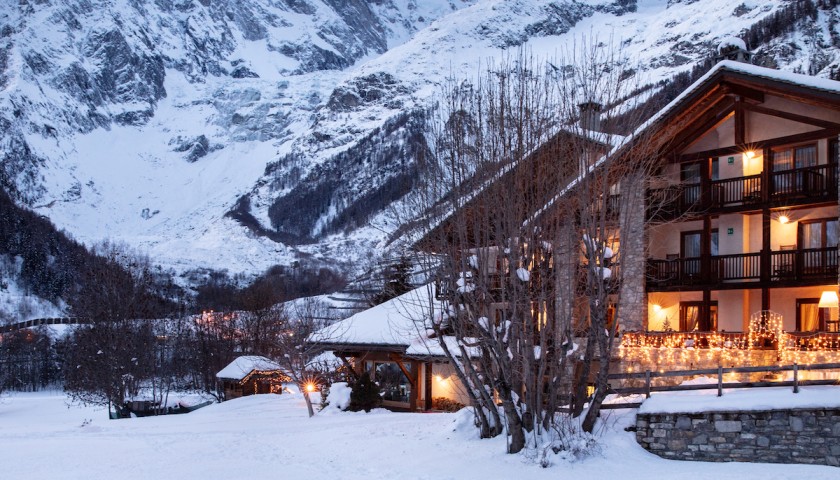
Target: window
(809, 317)
(788, 158)
(788, 177)
(693, 317)
(820, 233)
(394, 386)
(691, 175)
(692, 249)
(818, 240)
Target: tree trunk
(308, 403)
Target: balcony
(811, 266)
(799, 186)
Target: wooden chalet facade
(739, 217)
(749, 219)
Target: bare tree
(297, 356)
(108, 359)
(522, 188)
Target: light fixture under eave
(749, 154)
(783, 219)
(829, 299)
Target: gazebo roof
(242, 366)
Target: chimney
(733, 48)
(590, 115)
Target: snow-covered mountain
(238, 134)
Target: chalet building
(751, 209)
(251, 375)
(729, 254)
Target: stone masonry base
(773, 436)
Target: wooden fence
(720, 385)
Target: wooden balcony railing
(804, 264)
(788, 187)
(808, 182)
(814, 264)
(732, 192)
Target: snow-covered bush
(569, 443)
(338, 396)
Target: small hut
(249, 375)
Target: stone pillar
(632, 305)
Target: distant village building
(250, 375)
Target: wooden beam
(791, 116)
(800, 137)
(411, 378)
(743, 91)
(740, 122)
(710, 120)
(349, 366)
(428, 381)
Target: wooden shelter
(250, 375)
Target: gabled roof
(241, 367)
(706, 95)
(400, 325)
(396, 323)
(729, 77)
(542, 161)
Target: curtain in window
(691, 318)
(782, 160)
(806, 156)
(812, 235)
(809, 317)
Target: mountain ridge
(239, 135)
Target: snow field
(270, 436)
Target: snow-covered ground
(269, 436)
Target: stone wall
(773, 436)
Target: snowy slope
(149, 122)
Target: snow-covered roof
(242, 366)
(396, 322)
(798, 79)
(401, 322)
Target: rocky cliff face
(241, 133)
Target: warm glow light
(310, 387)
(829, 299)
(749, 154)
(783, 219)
(438, 378)
(657, 307)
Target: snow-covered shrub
(338, 396)
(569, 443)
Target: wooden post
(795, 378)
(720, 380)
(428, 385)
(647, 383)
